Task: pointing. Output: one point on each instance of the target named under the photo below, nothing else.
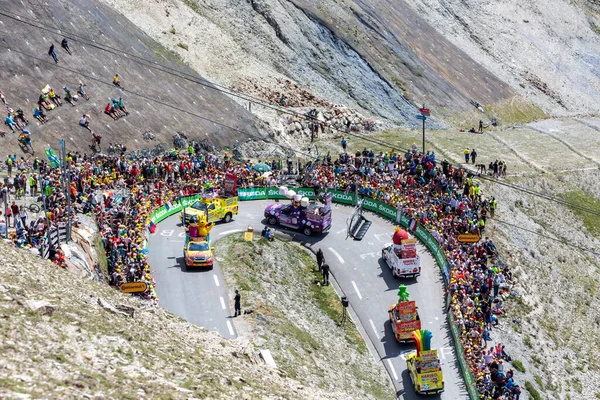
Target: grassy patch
(193, 5)
(581, 198)
(515, 111)
(577, 385)
(329, 302)
(595, 28)
(533, 391)
(101, 253)
(183, 46)
(261, 268)
(527, 341)
(307, 342)
(538, 380)
(518, 365)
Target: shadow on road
(295, 235)
(180, 263)
(389, 279)
(409, 392)
(392, 348)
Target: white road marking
(335, 253)
(222, 302)
(379, 235)
(231, 231)
(251, 216)
(391, 367)
(177, 241)
(230, 327)
(374, 329)
(446, 351)
(216, 280)
(371, 254)
(341, 231)
(356, 289)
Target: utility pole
(67, 186)
(5, 200)
(425, 112)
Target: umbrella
(261, 167)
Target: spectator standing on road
(344, 144)
(480, 126)
(65, 45)
(237, 303)
(467, 155)
(52, 53)
(473, 156)
(325, 270)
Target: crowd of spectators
(446, 200)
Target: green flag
(52, 158)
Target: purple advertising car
(301, 214)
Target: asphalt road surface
(200, 296)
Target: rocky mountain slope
(104, 43)
(62, 336)
(555, 334)
(547, 51)
(375, 57)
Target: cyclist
(25, 140)
(96, 139)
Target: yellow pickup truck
(198, 254)
(424, 365)
(212, 209)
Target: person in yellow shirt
(467, 155)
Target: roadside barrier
(375, 206)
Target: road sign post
(425, 112)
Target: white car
(402, 260)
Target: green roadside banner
(167, 210)
(376, 206)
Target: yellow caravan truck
(424, 365)
(212, 209)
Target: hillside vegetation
(66, 337)
(298, 319)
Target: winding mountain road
(200, 297)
